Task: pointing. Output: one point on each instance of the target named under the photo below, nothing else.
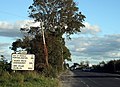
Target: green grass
(26, 79)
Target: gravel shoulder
(66, 79)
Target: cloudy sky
(98, 41)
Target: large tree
(57, 17)
(57, 52)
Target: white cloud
(8, 29)
(90, 29)
(4, 25)
(106, 47)
(2, 47)
(114, 54)
(2, 51)
(80, 49)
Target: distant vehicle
(86, 69)
(72, 68)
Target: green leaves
(56, 12)
(58, 17)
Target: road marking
(85, 83)
(93, 81)
(98, 85)
(117, 78)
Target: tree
(118, 65)
(57, 17)
(4, 65)
(102, 63)
(82, 63)
(87, 63)
(55, 52)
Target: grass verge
(26, 79)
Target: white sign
(23, 61)
(23, 52)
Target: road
(78, 78)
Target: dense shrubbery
(8, 78)
(4, 65)
(26, 79)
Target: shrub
(17, 77)
(26, 79)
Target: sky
(98, 41)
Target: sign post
(23, 61)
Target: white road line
(117, 78)
(85, 83)
(95, 82)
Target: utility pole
(44, 43)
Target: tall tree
(58, 17)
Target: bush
(17, 77)
(4, 77)
(26, 79)
(50, 72)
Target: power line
(12, 14)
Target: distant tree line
(113, 66)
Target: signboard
(23, 61)
(23, 52)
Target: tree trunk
(45, 47)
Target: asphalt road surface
(79, 78)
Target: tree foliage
(56, 50)
(112, 66)
(57, 17)
(4, 65)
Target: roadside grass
(27, 79)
